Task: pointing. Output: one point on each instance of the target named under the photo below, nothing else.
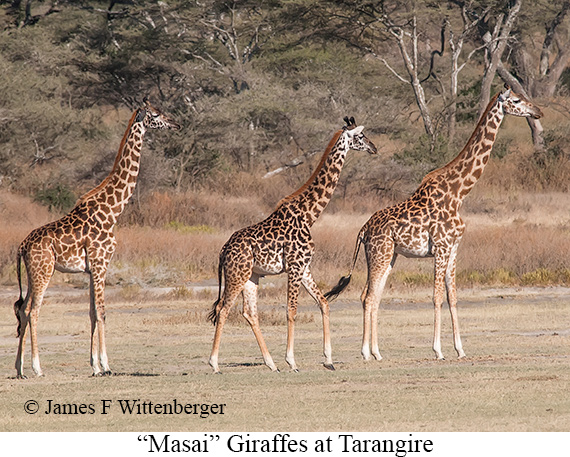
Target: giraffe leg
(441, 262)
(378, 271)
(250, 314)
(38, 288)
(231, 292)
(311, 287)
(452, 300)
(370, 304)
(40, 264)
(95, 318)
(98, 270)
(293, 285)
(34, 315)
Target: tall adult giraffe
(428, 224)
(283, 243)
(82, 241)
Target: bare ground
(516, 376)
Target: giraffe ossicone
(428, 224)
(82, 241)
(282, 243)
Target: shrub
(58, 197)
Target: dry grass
(511, 239)
(515, 377)
(18, 216)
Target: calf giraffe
(82, 241)
(283, 243)
(428, 224)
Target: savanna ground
(516, 376)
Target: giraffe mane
(115, 164)
(327, 152)
(440, 170)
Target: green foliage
(58, 197)
(418, 153)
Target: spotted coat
(428, 224)
(282, 243)
(83, 241)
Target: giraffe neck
(117, 188)
(465, 170)
(312, 198)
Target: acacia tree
(535, 67)
(385, 22)
(540, 75)
(495, 41)
(470, 19)
(241, 28)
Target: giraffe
(83, 241)
(428, 224)
(283, 243)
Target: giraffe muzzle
(537, 113)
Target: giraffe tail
(20, 301)
(213, 314)
(345, 280)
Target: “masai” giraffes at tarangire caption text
(82, 241)
(428, 224)
(282, 243)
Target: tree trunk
(536, 129)
(496, 44)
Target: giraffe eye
(516, 101)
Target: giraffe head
(517, 105)
(355, 138)
(152, 118)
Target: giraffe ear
(358, 130)
(504, 95)
(355, 130)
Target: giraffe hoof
(294, 370)
(21, 376)
(329, 366)
(107, 373)
(218, 372)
